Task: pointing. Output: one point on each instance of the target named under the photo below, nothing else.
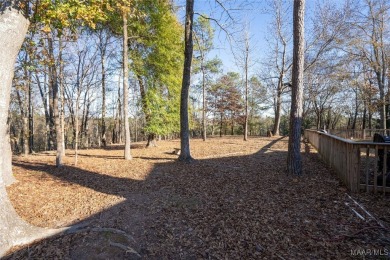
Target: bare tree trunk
(382, 102)
(24, 107)
(103, 123)
(356, 110)
(278, 108)
(328, 119)
(246, 87)
(221, 126)
(103, 41)
(53, 77)
(84, 122)
(364, 117)
(126, 88)
(136, 129)
(204, 122)
(30, 119)
(13, 28)
(318, 112)
(117, 134)
(114, 131)
(185, 154)
(76, 133)
(50, 95)
(378, 59)
(284, 66)
(369, 119)
(62, 103)
(246, 109)
(42, 91)
(25, 136)
(7, 162)
(76, 115)
(24, 130)
(294, 161)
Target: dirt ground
(234, 202)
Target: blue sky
(254, 16)
(257, 17)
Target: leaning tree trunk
(13, 28)
(185, 154)
(126, 88)
(294, 161)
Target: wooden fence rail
(359, 134)
(359, 165)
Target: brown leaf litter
(234, 202)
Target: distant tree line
(78, 70)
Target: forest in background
(97, 72)
(346, 77)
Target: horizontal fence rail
(361, 134)
(362, 165)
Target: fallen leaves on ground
(234, 202)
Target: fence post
(355, 169)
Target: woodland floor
(234, 202)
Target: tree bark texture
(382, 102)
(13, 28)
(185, 154)
(294, 160)
(7, 162)
(204, 122)
(24, 129)
(53, 78)
(42, 92)
(62, 94)
(30, 120)
(103, 123)
(246, 88)
(278, 108)
(126, 88)
(246, 105)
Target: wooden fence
(359, 165)
(361, 134)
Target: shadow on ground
(230, 207)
